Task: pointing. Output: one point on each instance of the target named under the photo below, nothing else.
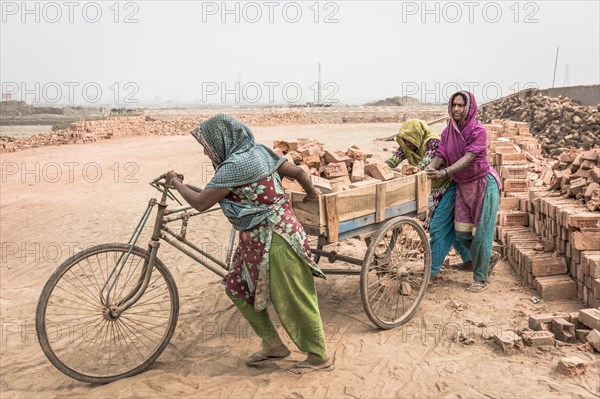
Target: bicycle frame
(161, 231)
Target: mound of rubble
(559, 123)
(397, 118)
(397, 101)
(81, 132)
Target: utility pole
(319, 86)
(555, 63)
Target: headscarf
(466, 135)
(416, 132)
(238, 161)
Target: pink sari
(468, 135)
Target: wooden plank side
(357, 202)
(362, 222)
(311, 213)
(423, 188)
(380, 202)
(333, 217)
(400, 191)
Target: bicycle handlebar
(155, 181)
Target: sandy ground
(54, 200)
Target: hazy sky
(187, 51)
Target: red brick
(595, 174)
(381, 171)
(340, 184)
(585, 240)
(546, 266)
(336, 156)
(563, 330)
(556, 287)
(291, 185)
(358, 171)
(513, 218)
(336, 169)
(537, 338)
(516, 185)
(590, 318)
(313, 161)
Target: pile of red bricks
(185, 125)
(111, 127)
(576, 174)
(582, 326)
(80, 132)
(332, 170)
(397, 118)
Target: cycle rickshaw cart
(109, 311)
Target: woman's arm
(430, 150)
(288, 169)
(459, 165)
(396, 159)
(198, 200)
(435, 163)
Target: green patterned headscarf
(416, 132)
(238, 161)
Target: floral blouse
(430, 150)
(248, 276)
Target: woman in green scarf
(418, 146)
(272, 263)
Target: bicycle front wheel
(76, 330)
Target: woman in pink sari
(463, 151)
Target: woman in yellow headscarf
(418, 146)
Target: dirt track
(47, 212)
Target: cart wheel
(77, 332)
(395, 272)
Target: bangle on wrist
(447, 173)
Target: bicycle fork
(113, 311)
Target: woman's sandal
(259, 358)
(305, 367)
(478, 287)
(465, 266)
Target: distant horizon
(198, 104)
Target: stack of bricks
(511, 150)
(86, 131)
(559, 254)
(331, 170)
(502, 131)
(575, 233)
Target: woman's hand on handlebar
(171, 176)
